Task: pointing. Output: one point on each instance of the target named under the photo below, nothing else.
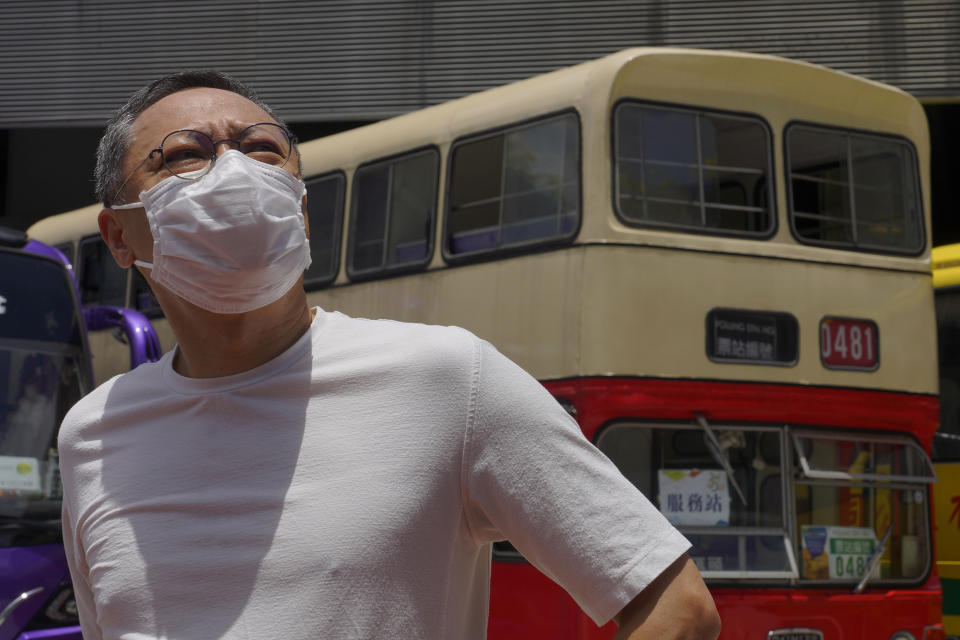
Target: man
(291, 472)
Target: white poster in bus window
(694, 497)
(836, 553)
(19, 474)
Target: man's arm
(675, 606)
(82, 593)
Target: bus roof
(65, 227)
(717, 79)
(782, 90)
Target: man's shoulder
(91, 408)
(394, 336)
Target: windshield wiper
(873, 561)
(719, 455)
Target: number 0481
(847, 343)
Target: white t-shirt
(349, 488)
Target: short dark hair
(115, 142)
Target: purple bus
(44, 368)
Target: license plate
(795, 634)
(848, 343)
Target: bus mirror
(140, 334)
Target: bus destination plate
(742, 336)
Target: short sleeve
(530, 476)
(79, 576)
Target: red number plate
(846, 343)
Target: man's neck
(213, 345)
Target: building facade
(65, 65)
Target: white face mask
(232, 241)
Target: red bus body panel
(526, 605)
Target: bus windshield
(848, 492)
(42, 373)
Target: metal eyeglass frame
(291, 140)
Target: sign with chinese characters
(694, 497)
(837, 553)
(19, 474)
(752, 337)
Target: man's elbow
(706, 620)
(677, 605)
(694, 611)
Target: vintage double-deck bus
(44, 368)
(719, 263)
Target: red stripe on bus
(600, 399)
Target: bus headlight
(902, 635)
(934, 632)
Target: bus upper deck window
(851, 190)
(325, 215)
(514, 188)
(392, 214)
(682, 168)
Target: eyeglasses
(190, 154)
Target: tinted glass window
(142, 298)
(515, 188)
(684, 168)
(854, 191)
(393, 213)
(102, 281)
(67, 249)
(325, 204)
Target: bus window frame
(930, 559)
(324, 282)
(791, 476)
(80, 267)
(797, 435)
(350, 221)
(532, 246)
(787, 515)
(696, 110)
(843, 246)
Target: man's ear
(111, 230)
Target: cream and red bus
(719, 263)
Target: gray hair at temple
(116, 138)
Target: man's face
(218, 113)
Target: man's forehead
(201, 108)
